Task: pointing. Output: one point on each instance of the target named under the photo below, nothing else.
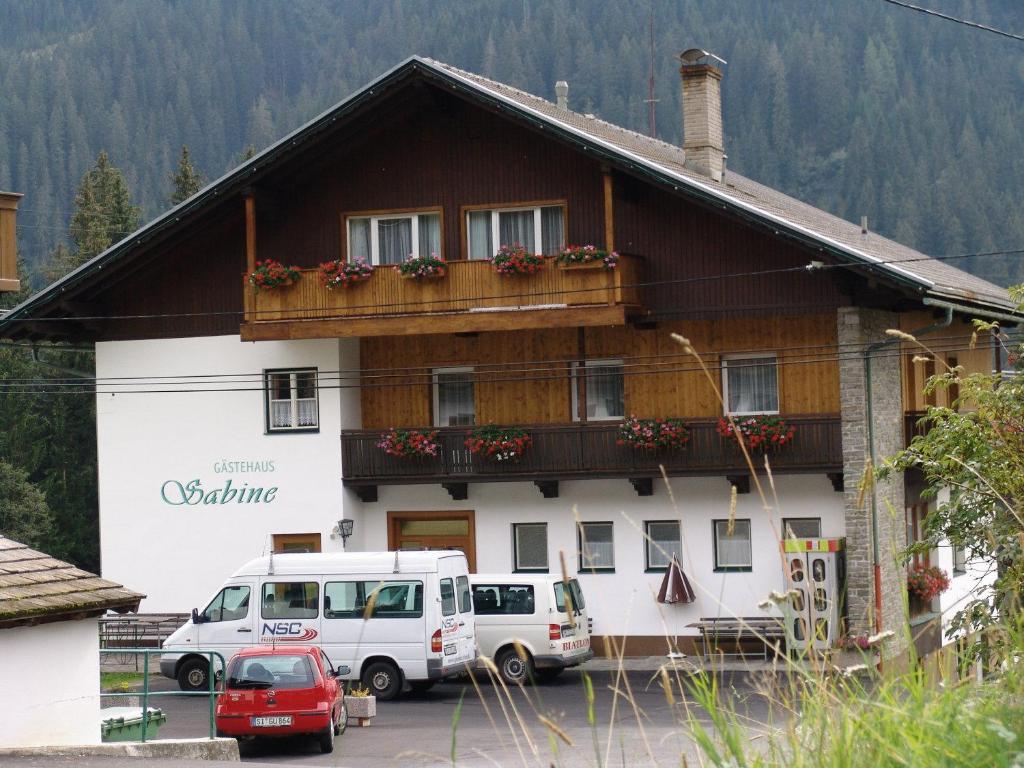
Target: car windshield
(279, 672)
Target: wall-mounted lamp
(345, 529)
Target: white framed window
(604, 384)
(661, 541)
(539, 229)
(732, 545)
(454, 403)
(596, 547)
(291, 400)
(750, 384)
(959, 561)
(801, 527)
(530, 547)
(391, 238)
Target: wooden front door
(434, 530)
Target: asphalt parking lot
(416, 730)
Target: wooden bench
(766, 630)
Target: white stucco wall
(623, 602)
(51, 684)
(178, 553)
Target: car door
(226, 624)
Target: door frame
(395, 519)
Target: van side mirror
(197, 618)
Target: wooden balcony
(470, 297)
(588, 451)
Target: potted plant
(335, 274)
(419, 267)
(405, 443)
(653, 434)
(272, 274)
(498, 443)
(516, 260)
(925, 582)
(758, 432)
(576, 256)
(360, 704)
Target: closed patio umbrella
(675, 587)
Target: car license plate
(450, 650)
(275, 721)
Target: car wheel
(513, 668)
(550, 673)
(194, 675)
(327, 740)
(383, 679)
(342, 721)
(421, 686)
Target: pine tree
(187, 181)
(103, 211)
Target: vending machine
(816, 574)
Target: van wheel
(194, 675)
(327, 740)
(513, 668)
(383, 679)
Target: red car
(278, 692)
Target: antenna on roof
(652, 128)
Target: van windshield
(575, 596)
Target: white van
(419, 629)
(532, 610)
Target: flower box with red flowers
(342, 274)
(421, 267)
(584, 256)
(272, 274)
(927, 581)
(498, 443)
(516, 260)
(653, 434)
(759, 433)
(407, 443)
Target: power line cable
(947, 17)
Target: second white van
(384, 618)
(533, 626)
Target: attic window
(487, 229)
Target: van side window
(465, 604)
(290, 600)
(447, 597)
(503, 599)
(230, 604)
(384, 599)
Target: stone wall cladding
(859, 328)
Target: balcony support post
(548, 488)
(837, 481)
(458, 491)
(740, 482)
(366, 493)
(644, 486)
(250, 231)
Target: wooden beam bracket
(740, 482)
(458, 491)
(644, 486)
(837, 481)
(366, 493)
(548, 488)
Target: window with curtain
(453, 397)
(732, 545)
(291, 400)
(391, 239)
(596, 547)
(530, 546)
(959, 560)
(751, 384)
(661, 541)
(488, 230)
(602, 385)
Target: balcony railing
(561, 452)
(468, 297)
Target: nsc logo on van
(286, 632)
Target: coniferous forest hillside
(862, 108)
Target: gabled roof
(36, 589)
(657, 160)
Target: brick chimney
(8, 244)
(702, 113)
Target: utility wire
(291, 313)
(947, 17)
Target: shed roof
(36, 588)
